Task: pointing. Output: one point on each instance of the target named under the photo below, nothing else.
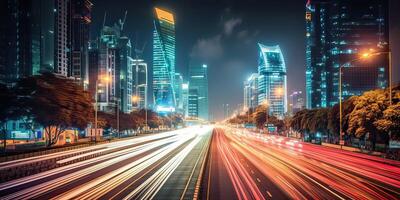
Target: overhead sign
(394, 144)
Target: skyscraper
(139, 68)
(164, 61)
(20, 39)
(185, 98)
(42, 35)
(198, 84)
(125, 74)
(193, 103)
(113, 52)
(62, 35)
(296, 102)
(178, 92)
(251, 91)
(272, 79)
(80, 21)
(337, 32)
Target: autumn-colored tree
(368, 108)
(56, 103)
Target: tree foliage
(55, 103)
(367, 116)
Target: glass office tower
(164, 61)
(337, 32)
(250, 91)
(198, 85)
(272, 80)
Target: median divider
(197, 189)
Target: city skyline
(199, 99)
(239, 59)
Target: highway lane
(230, 175)
(270, 167)
(139, 169)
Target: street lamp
(365, 55)
(104, 79)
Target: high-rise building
(93, 62)
(139, 98)
(41, 35)
(185, 98)
(164, 61)
(178, 92)
(198, 83)
(47, 24)
(62, 38)
(272, 79)
(337, 32)
(20, 39)
(80, 27)
(251, 92)
(113, 52)
(125, 74)
(193, 103)
(296, 102)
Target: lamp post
(363, 56)
(118, 104)
(105, 79)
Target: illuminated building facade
(337, 32)
(198, 85)
(113, 53)
(251, 91)
(178, 92)
(164, 61)
(80, 33)
(185, 98)
(139, 88)
(193, 103)
(272, 79)
(296, 102)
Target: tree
(56, 104)
(334, 116)
(153, 120)
(259, 116)
(368, 108)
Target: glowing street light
(135, 99)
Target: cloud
(231, 24)
(209, 48)
(243, 34)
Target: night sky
(224, 34)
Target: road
(247, 165)
(162, 166)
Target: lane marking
(269, 194)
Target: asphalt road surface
(160, 166)
(247, 165)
